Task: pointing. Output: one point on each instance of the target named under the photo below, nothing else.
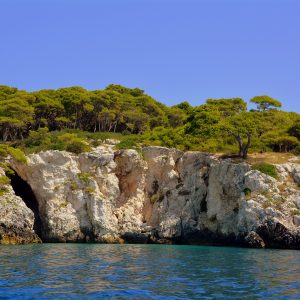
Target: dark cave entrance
(23, 190)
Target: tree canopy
(69, 118)
(265, 102)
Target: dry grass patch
(265, 157)
(271, 158)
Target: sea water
(97, 271)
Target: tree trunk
(240, 143)
(246, 147)
(5, 134)
(243, 148)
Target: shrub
(73, 186)
(266, 168)
(7, 169)
(3, 191)
(296, 150)
(77, 146)
(63, 204)
(4, 180)
(42, 140)
(128, 142)
(17, 154)
(157, 197)
(89, 190)
(73, 143)
(3, 151)
(38, 138)
(247, 193)
(85, 177)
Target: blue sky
(175, 50)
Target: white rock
(259, 182)
(111, 142)
(108, 193)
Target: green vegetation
(247, 192)
(84, 177)
(63, 204)
(75, 119)
(16, 153)
(158, 197)
(4, 180)
(295, 212)
(266, 169)
(265, 102)
(89, 190)
(3, 191)
(73, 186)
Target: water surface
(95, 271)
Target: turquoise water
(93, 271)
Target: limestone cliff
(16, 219)
(160, 195)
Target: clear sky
(175, 50)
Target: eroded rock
(16, 219)
(253, 240)
(160, 195)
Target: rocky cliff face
(160, 195)
(16, 219)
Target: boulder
(253, 240)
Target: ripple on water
(94, 271)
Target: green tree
(241, 127)
(177, 117)
(264, 103)
(16, 115)
(6, 91)
(203, 123)
(47, 110)
(294, 130)
(185, 106)
(227, 106)
(77, 105)
(280, 142)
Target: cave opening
(23, 190)
(203, 204)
